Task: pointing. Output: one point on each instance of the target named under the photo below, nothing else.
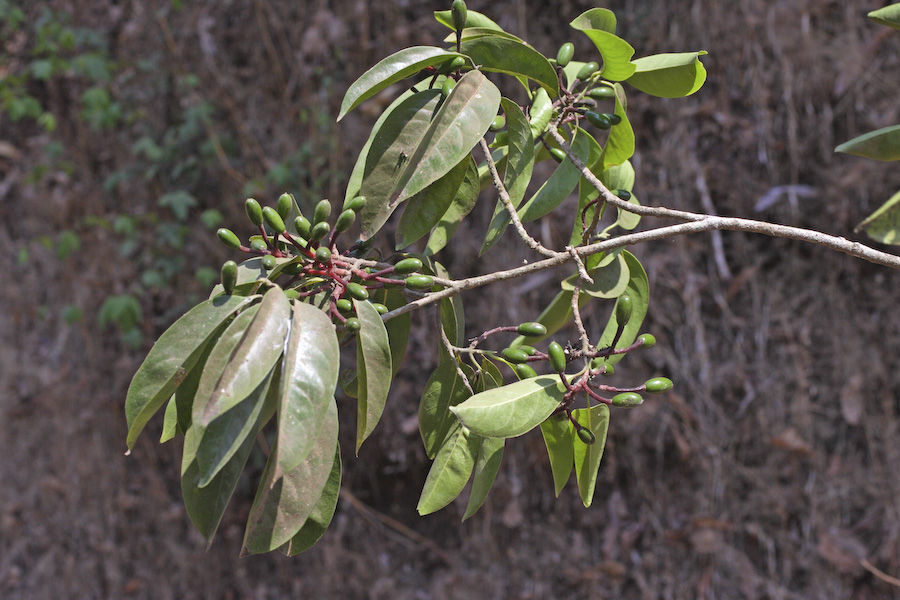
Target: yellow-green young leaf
(595, 18)
(616, 53)
(513, 409)
(881, 144)
(558, 186)
(883, 225)
(487, 464)
(462, 204)
(171, 358)
(587, 456)
(310, 372)
(610, 278)
(282, 505)
(443, 389)
(373, 365)
(620, 143)
(500, 54)
(639, 291)
(424, 210)
(450, 471)
(671, 75)
(889, 15)
(557, 315)
(170, 422)
(473, 19)
(398, 66)
(251, 360)
(318, 520)
(558, 436)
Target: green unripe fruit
(254, 211)
(501, 138)
(529, 350)
(457, 63)
(407, 265)
(447, 87)
(357, 203)
(292, 294)
(301, 226)
(565, 54)
(587, 70)
(459, 12)
(380, 308)
(283, 207)
(525, 371)
(344, 305)
(322, 211)
(557, 357)
(268, 262)
(357, 291)
(258, 245)
(352, 324)
(531, 329)
(273, 219)
(623, 309)
(597, 120)
(657, 385)
(323, 254)
(419, 282)
(228, 238)
(623, 194)
(345, 220)
(613, 118)
(586, 435)
(498, 123)
(229, 276)
(514, 355)
(319, 230)
(627, 400)
(647, 340)
(558, 154)
(601, 92)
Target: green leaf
(587, 456)
(282, 505)
(474, 32)
(450, 471)
(620, 143)
(394, 68)
(557, 315)
(611, 279)
(881, 144)
(250, 361)
(502, 55)
(318, 520)
(671, 75)
(540, 114)
(373, 365)
(559, 436)
(595, 18)
(487, 463)
(889, 15)
(424, 210)
(309, 377)
(473, 19)
(513, 409)
(397, 328)
(462, 205)
(184, 395)
(558, 186)
(170, 422)
(491, 377)
(639, 290)
(443, 389)
(171, 358)
(616, 52)
(883, 225)
(586, 192)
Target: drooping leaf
(282, 505)
(588, 456)
(487, 464)
(394, 68)
(171, 358)
(559, 435)
(473, 19)
(502, 55)
(881, 144)
(184, 395)
(397, 328)
(889, 15)
(620, 143)
(491, 377)
(373, 364)
(170, 422)
(513, 409)
(462, 204)
(310, 373)
(883, 225)
(639, 291)
(671, 75)
(318, 520)
(443, 389)
(424, 210)
(558, 186)
(450, 471)
(595, 18)
(610, 279)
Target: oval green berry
(565, 54)
(352, 324)
(419, 282)
(254, 211)
(657, 385)
(273, 219)
(228, 238)
(447, 87)
(525, 371)
(558, 154)
(457, 63)
(514, 355)
(345, 220)
(268, 262)
(597, 120)
(598, 364)
(302, 226)
(344, 305)
(319, 231)
(407, 265)
(627, 399)
(586, 435)
(323, 254)
(459, 12)
(557, 357)
(229, 276)
(258, 244)
(623, 309)
(498, 123)
(529, 350)
(356, 204)
(380, 308)
(613, 118)
(322, 211)
(283, 207)
(623, 194)
(647, 340)
(587, 70)
(601, 92)
(357, 291)
(531, 329)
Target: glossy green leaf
(318, 520)
(559, 436)
(170, 422)
(171, 358)
(394, 68)
(620, 143)
(881, 144)
(557, 315)
(595, 18)
(443, 389)
(558, 186)
(502, 55)
(463, 203)
(450, 471)
(397, 328)
(610, 280)
(424, 210)
(487, 464)
(513, 409)
(473, 19)
(282, 505)
(184, 395)
(373, 365)
(250, 361)
(883, 225)
(639, 290)
(588, 456)
(310, 373)
(671, 75)
(616, 52)
(889, 15)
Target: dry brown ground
(771, 471)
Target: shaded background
(130, 130)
